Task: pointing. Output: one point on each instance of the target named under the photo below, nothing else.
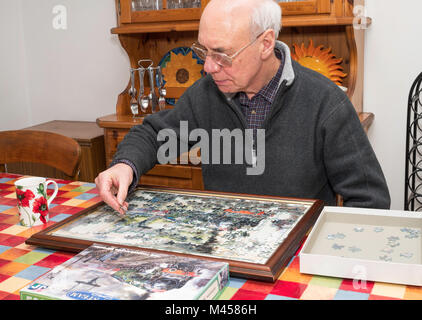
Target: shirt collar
(287, 75)
(269, 91)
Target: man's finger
(121, 197)
(111, 200)
(107, 192)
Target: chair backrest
(52, 149)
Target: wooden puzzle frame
(268, 270)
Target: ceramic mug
(33, 204)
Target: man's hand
(113, 185)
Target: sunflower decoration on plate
(181, 67)
(320, 60)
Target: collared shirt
(257, 109)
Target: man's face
(220, 35)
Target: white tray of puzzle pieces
(365, 244)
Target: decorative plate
(320, 60)
(180, 67)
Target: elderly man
(307, 137)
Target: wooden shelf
(157, 27)
(289, 21)
(127, 122)
(119, 121)
(317, 21)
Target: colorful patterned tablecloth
(20, 264)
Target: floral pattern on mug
(40, 206)
(24, 197)
(41, 191)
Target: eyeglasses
(220, 58)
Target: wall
(76, 74)
(73, 74)
(14, 98)
(392, 62)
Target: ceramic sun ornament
(320, 60)
(180, 68)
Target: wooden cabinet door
(305, 7)
(139, 11)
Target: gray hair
(266, 15)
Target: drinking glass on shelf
(158, 4)
(143, 5)
(187, 3)
(174, 4)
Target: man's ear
(268, 43)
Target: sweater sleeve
(352, 167)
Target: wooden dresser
(152, 34)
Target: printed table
(20, 264)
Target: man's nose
(210, 66)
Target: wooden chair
(51, 149)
